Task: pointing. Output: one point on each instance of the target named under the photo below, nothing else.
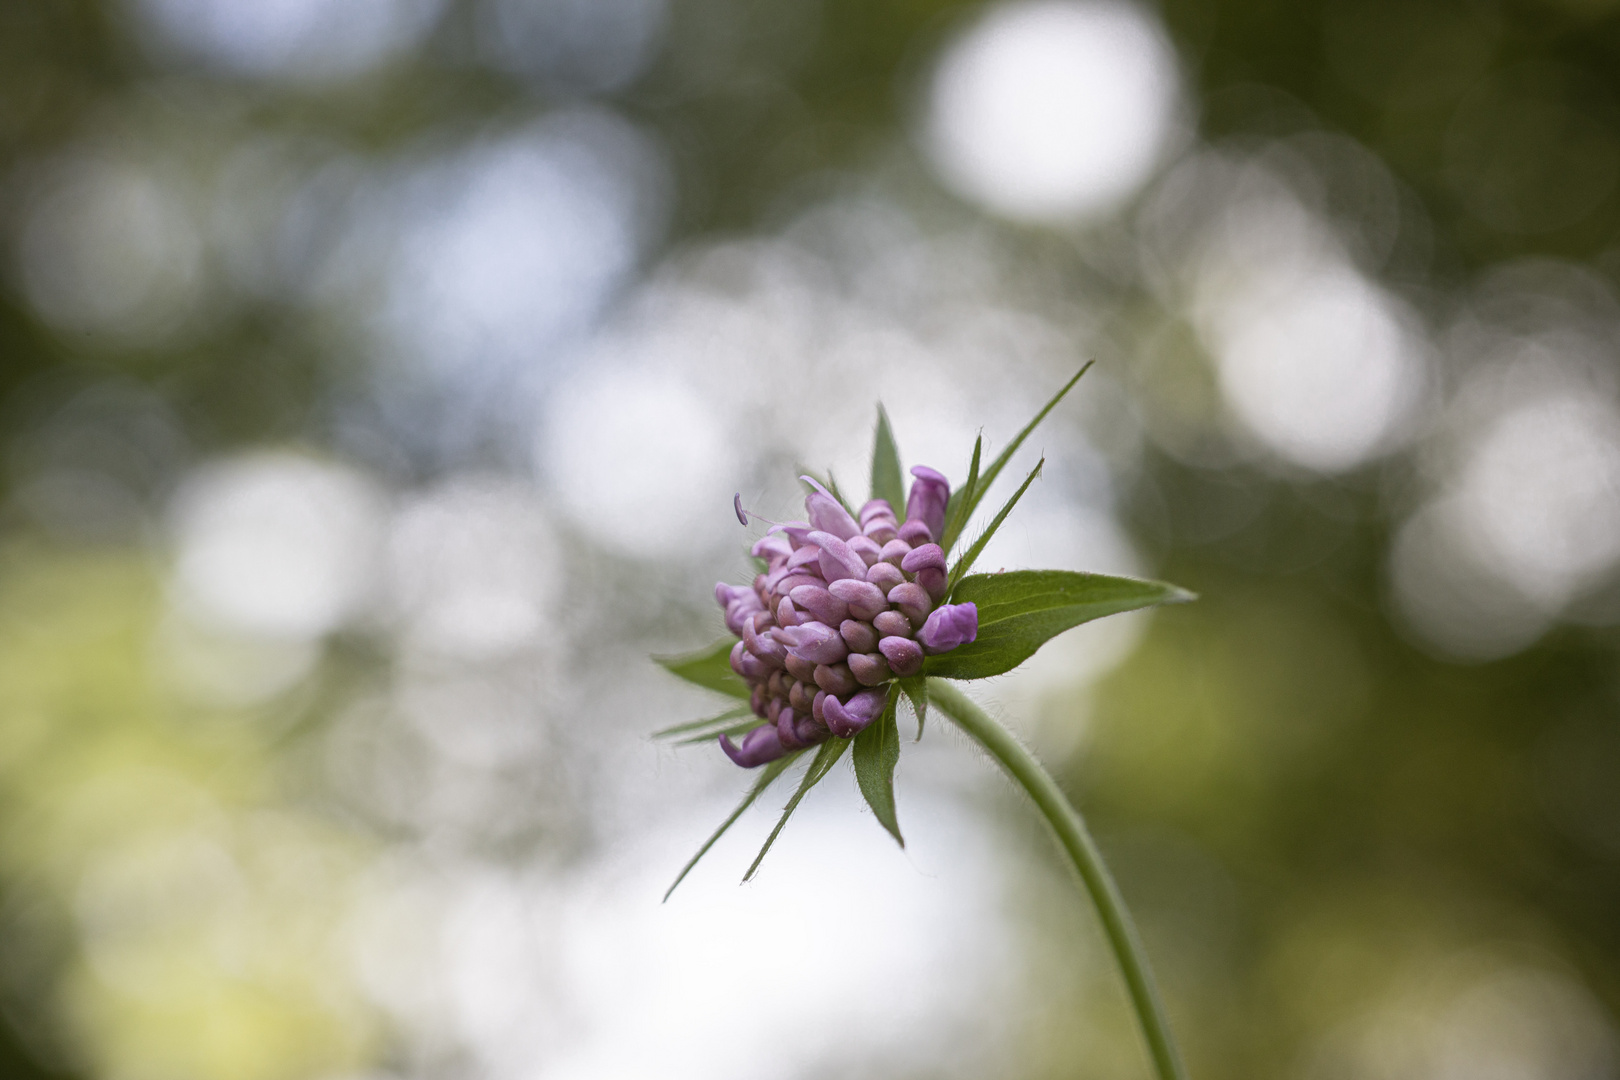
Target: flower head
(845, 604)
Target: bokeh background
(375, 376)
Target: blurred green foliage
(1313, 816)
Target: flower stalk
(1075, 839)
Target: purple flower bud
(808, 729)
(875, 509)
(916, 532)
(786, 585)
(807, 556)
(818, 705)
(866, 548)
(929, 555)
(881, 530)
(795, 531)
(787, 732)
(837, 560)
(858, 635)
(849, 718)
(912, 600)
(892, 624)
(821, 604)
(865, 600)
(786, 613)
(801, 669)
(884, 575)
(934, 582)
(904, 655)
(895, 551)
(736, 504)
(771, 547)
(774, 578)
(738, 651)
(813, 641)
(930, 492)
(758, 747)
(950, 626)
(869, 668)
(878, 522)
(836, 678)
(828, 514)
(738, 610)
(761, 645)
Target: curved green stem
(1082, 851)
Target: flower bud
(795, 531)
(881, 530)
(836, 678)
(858, 635)
(813, 641)
(787, 731)
(808, 729)
(916, 532)
(905, 656)
(949, 626)
(930, 493)
(849, 718)
(869, 668)
(892, 624)
(885, 576)
(758, 747)
(762, 645)
(828, 514)
(912, 600)
(799, 668)
(822, 605)
(865, 600)
(878, 521)
(837, 561)
(866, 548)
(895, 551)
(770, 547)
(928, 555)
(934, 582)
(873, 509)
(806, 555)
(786, 585)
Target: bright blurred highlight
(1051, 111)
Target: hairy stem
(1082, 851)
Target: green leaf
(823, 762)
(1021, 610)
(766, 778)
(888, 482)
(956, 508)
(965, 563)
(877, 750)
(916, 690)
(710, 668)
(1002, 458)
(708, 721)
